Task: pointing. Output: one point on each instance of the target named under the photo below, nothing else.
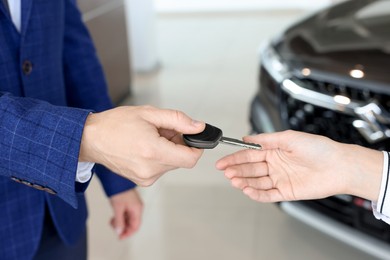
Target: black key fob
(208, 139)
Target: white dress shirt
(84, 169)
(381, 208)
(15, 10)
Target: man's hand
(298, 166)
(128, 208)
(140, 143)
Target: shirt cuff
(84, 171)
(381, 208)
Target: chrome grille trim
(371, 118)
(318, 99)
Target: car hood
(348, 36)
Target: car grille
(302, 116)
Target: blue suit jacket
(50, 79)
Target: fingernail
(119, 230)
(196, 122)
(246, 191)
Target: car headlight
(273, 63)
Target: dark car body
(329, 74)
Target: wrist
(365, 172)
(87, 151)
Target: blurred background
(201, 57)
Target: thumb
(177, 121)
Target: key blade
(236, 142)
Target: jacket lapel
(26, 11)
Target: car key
(211, 137)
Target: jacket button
(27, 67)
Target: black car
(329, 74)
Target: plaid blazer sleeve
(40, 143)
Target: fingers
(172, 150)
(127, 226)
(132, 222)
(128, 209)
(241, 157)
(247, 170)
(272, 195)
(176, 155)
(249, 175)
(172, 136)
(263, 183)
(118, 221)
(174, 120)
